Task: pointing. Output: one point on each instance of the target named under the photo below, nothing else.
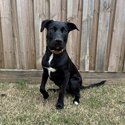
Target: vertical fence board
(73, 16)
(7, 36)
(40, 14)
(109, 42)
(37, 25)
(70, 39)
(55, 9)
(118, 34)
(16, 35)
(87, 19)
(80, 10)
(103, 29)
(124, 66)
(1, 43)
(64, 10)
(26, 32)
(122, 54)
(45, 15)
(84, 37)
(93, 41)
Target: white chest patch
(50, 69)
(50, 59)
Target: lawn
(22, 104)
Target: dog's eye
(64, 30)
(54, 29)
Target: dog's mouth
(57, 50)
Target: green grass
(22, 104)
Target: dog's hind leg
(75, 91)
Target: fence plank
(87, 19)
(7, 36)
(37, 24)
(80, 10)
(122, 54)
(40, 14)
(124, 66)
(16, 35)
(64, 10)
(55, 9)
(74, 17)
(109, 42)
(117, 36)
(1, 44)
(46, 13)
(103, 29)
(26, 32)
(93, 41)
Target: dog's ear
(45, 24)
(71, 26)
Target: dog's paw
(76, 102)
(44, 93)
(59, 105)
(45, 96)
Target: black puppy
(56, 63)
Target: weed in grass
(94, 102)
(21, 84)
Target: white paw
(76, 103)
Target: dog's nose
(58, 41)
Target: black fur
(66, 76)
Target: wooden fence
(98, 46)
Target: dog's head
(57, 33)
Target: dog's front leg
(60, 101)
(43, 83)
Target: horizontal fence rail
(34, 76)
(98, 46)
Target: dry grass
(22, 104)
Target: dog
(57, 65)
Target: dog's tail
(94, 85)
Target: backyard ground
(22, 104)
